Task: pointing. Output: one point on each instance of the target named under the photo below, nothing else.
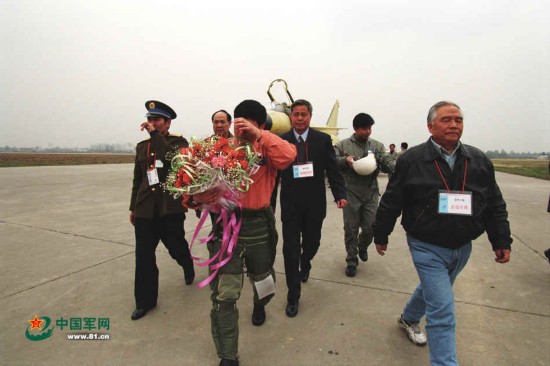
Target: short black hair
(251, 109)
(362, 120)
(299, 102)
(223, 111)
(404, 145)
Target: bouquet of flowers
(215, 163)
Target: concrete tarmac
(67, 253)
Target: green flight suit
(363, 193)
(255, 251)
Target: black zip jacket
(413, 191)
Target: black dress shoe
(258, 315)
(351, 271)
(227, 362)
(139, 313)
(304, 276)
(292, 309)
(189, 278)
(364, 255)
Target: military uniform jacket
(362, 187)
(150, 201)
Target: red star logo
(36, 323)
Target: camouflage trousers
(359, 215)
(255, 256)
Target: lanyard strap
(443, 178)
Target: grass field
(39, 159)
(526, 167)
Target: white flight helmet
(366, 165)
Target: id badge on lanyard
(152, 174)
(455, 203)
(304, 170)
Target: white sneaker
(415, 334)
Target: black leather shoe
(304, 276)
(258, 315)
(351, 271)
(189, 278)
(139, 313)
(292, 309)
(364, 255)
(227, 362)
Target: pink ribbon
(231, 227)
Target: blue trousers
(437, 268)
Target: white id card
(153, 177)
(159, 164)
(303, 170)
(455, 203)
(265, 287)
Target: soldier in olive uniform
(153, 212)
(362, 190)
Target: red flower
(186, 179)
(227, 150)
(197, 149)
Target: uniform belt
(249, 212)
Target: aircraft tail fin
(333, 117)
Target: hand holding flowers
(215, 171)
(213, 162)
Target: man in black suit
(303, 198)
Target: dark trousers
(301, 240)
(149, 232)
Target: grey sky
(75, 73)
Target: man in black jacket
(303, 198)
(448, 196)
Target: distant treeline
(130, 147)
(95, 148)
(495, 154)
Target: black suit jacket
(311, 191)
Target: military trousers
(254, 254)
(148, 233)
(359, 215)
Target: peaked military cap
(159, 109)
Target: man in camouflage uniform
(362, 190)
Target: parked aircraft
(278, 120)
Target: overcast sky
(75, 73)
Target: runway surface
(67, 253)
